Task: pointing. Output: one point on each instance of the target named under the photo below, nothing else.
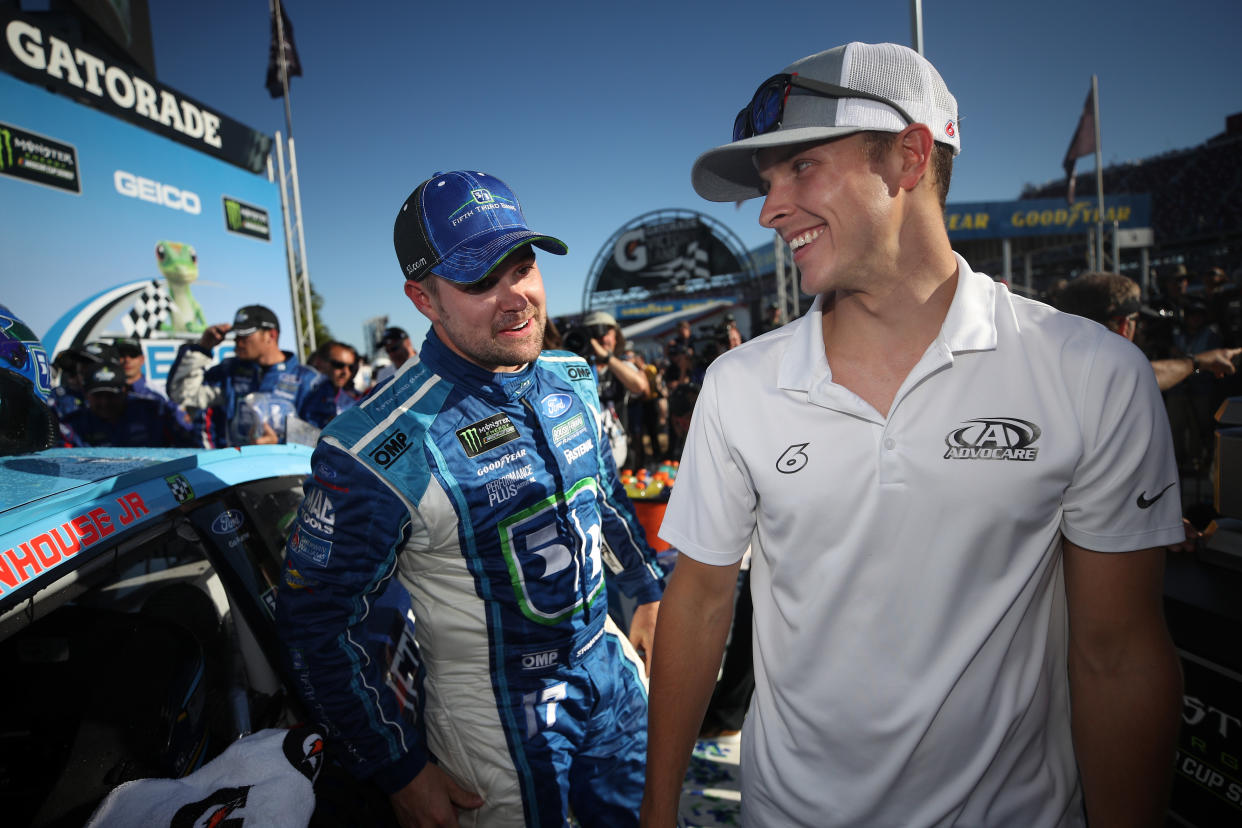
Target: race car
(136, 605)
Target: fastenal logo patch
(993, 438)
(487, 434)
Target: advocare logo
(993, 438)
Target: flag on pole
(282, 49)
(1083, 142)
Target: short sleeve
(1125, 494)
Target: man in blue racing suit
(478, 476)
(249, 397)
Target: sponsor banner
(72, 69)
(666, 254)
(1042, 217)
(645, 310)
(246, 219)
(1207, 782)
(38, 159)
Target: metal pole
(1145, 272)
(1099, 175)
(1007, 257)
(916, 24)
(297, 205)
(1116, 250)
(284, 215)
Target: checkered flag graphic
(150, 309)
(180, 488)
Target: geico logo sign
(128, 184)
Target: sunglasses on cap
(129, 350)
(766, 109)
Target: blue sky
(594, 112)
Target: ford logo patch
(555, 405)
(227, 522)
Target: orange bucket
(650, 515)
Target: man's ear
(422, 298)
(915, 144)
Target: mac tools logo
(992, 438)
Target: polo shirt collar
(970, 325)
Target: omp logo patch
(390, 448)
(568, 430)
(540, 661)
(993, 438)
(578, 373)
(487, 434)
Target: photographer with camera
(599, 339)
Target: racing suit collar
(507, 385)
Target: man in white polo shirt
(958, 501)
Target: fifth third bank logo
(992, 438)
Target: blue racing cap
(460, 225)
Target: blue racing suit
(147, 421)
(489, 497)
(234, 395)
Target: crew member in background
(395, 342)
(248, 397)
(133, 364)
(340, 364)
(67, 392)
(116, 416)
(617, 378)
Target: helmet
(27, 421)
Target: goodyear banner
(1042, 217)
(53, 62)
(666, 254)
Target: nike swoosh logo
(1145, 502)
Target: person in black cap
(67, 394)
(115, 416)
(248, 397)
(479, 478)
(130, 358)
(395, 342)
(957, 502)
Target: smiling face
(832, 206)
(497, 323)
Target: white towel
(265, 779)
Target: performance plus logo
(993, 438)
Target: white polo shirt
(909, 609)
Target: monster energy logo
(246, 219)
(487, 434)
(38, 159)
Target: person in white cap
(958, 501)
